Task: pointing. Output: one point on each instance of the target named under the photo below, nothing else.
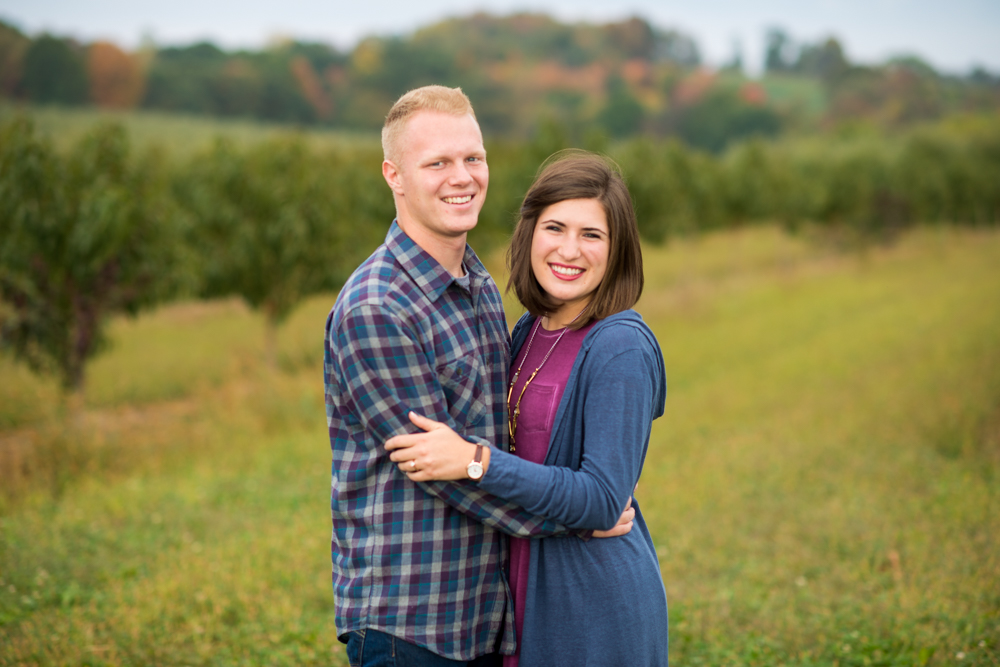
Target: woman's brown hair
(580, 175)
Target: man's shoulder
(370, 281)
(380, 282)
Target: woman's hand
(438, 453)
(623, 526)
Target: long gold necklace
(512, 415)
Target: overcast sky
(953, 35)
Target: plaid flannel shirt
(420, 561)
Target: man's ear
(392, 176)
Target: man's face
(440, 175)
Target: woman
(586, 383)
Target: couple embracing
(482, 481)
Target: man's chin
(463, 224)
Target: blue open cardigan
(599, 601)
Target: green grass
(168, 354)
(822, 490)
(180, 134)
(832, 443)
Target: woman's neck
(563, 317)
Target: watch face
(475, 470)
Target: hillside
(522, 70)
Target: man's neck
(448, 251)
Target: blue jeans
(371, 648)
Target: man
(417, 567)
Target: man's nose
(460, 174)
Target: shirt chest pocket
(462, 382)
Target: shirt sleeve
(383, 374)
(618, 413)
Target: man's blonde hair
(428, 98)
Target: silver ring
(413, 464)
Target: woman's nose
(570, 247)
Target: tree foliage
(626, 77)
(13, 45)
(721, 117)
(866, 188)
(278, 222)
(82, 237)
(116, 78)
(54, 72)
(202, 78)
(100, 230)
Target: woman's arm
(370, 379)
(438, 453)
(618, 411)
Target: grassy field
(179, 134)
(824, 488)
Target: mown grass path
(824, 488)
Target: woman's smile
(566, 272)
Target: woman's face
(569, 254)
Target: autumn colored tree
(116, 78)
(312, 87)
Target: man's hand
(438, 453)
(623, 526)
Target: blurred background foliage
(623, 79)
(83, 236)
(103, 228)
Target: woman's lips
(566, 272)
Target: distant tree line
(101, 230)
(616, 79)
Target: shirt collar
(428, 274)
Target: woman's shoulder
(622, 331)
(622, 334)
